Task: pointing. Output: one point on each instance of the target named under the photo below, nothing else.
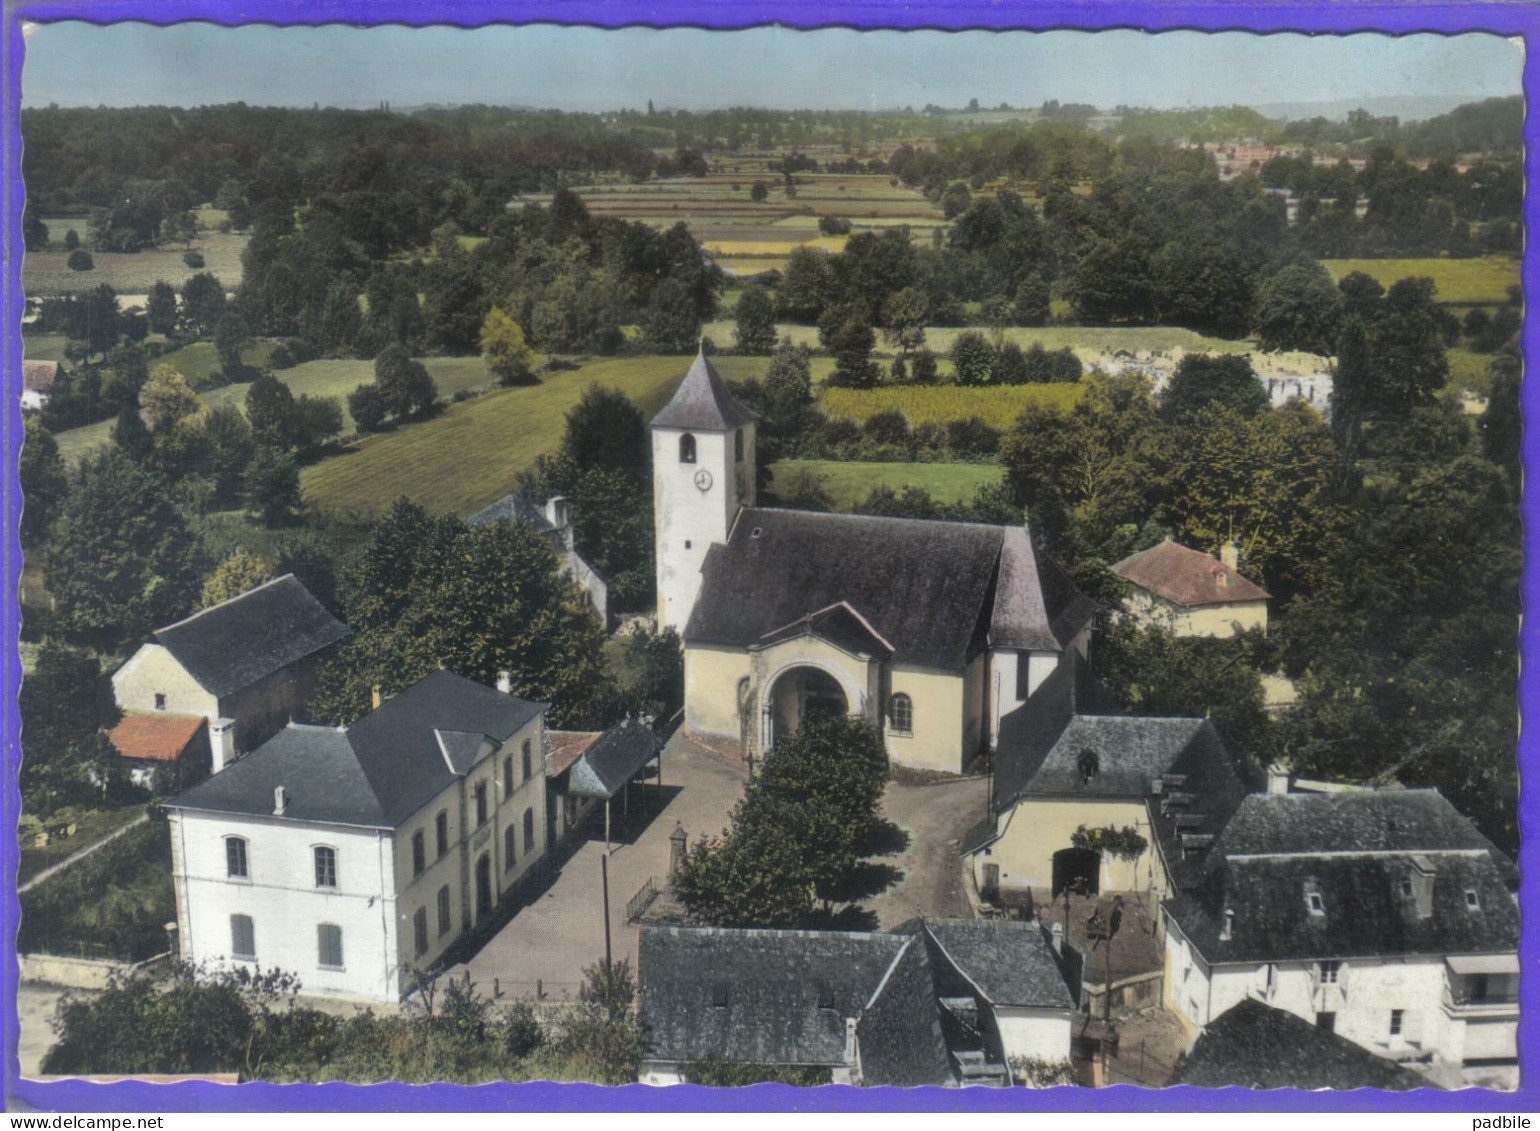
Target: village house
(1094, 801)
(1253, 1045)
(554, 520)
(932, 630)
(588, 769)
(1382, 916)
(1191, 593)
(945, 1001)
(37, 382)
(356, 856)
(244, 668)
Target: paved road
(934, 817)
(76, 857)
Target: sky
(127, 64)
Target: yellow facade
(711, 689)
(153, 671)
(1034, 829)
(1220, 621)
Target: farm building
(932, 630)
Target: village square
(960, 597)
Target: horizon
(548, 67)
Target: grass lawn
(1459, 281)
(130, 273)
(468, 457)
(1468, 370)
(90, 827)
(43, 347)
(850, 483)
(938, 404)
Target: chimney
(1422, 885)
(1227, 931)
(280, 800)
(221, 743)
(374, 697)
(1230, 554)
(1277, 779)
(1057, 933)
(505, 682)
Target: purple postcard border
(1513, 19)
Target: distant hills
(1407, 107)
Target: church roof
(926, 589)
(1187, 577)
(703, 400)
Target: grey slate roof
(785, 994)
(703, 400)
(379, 771)
(900, 1035)
(1036, 606)
(1358, 875)
(927, 588)
(236, 643)
(1252, 1045)
(840, 625)
(614, 759)
(1010, 961)
(512, 508)
(1130, 753)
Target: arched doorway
(799, 695)
(1078, 869)
(483, 886)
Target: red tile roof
(38, 376)
(567, 746)
(1187, 577)
(155, 737)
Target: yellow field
(940, 404)
(1460, 282)
(754, 248)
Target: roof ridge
(894, 519)
(227, 601)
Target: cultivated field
(128, 273)
(850, 483)
(469, 456)
(1460, 282)
(938, 404)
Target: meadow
(939, 404)
(470, 455)
(128, 273)
(849, 483)
(1460, 282)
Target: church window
(687, 448)
(738, 445)
(901, 713)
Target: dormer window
(687, 448)
(1472, 900)
(1088, 765)
(1316, 904)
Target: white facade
(1402, 1008)
(1033, 1034)
(701, 479)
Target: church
(932, 630)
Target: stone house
(358, 856)
(247, 665)
(554, 520)
(1192, 593)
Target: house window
(481, 804)
(419, 854)
(738, 445)
(687, 448)
(441, 831)
(328, 939)
(901, 714)
(243, 938)
(235, 858)
(508, 776)
(1397, 1017)
(160, 701)
(326, 869)
(526, 759)
(443, 910)
(508, 839)
(1472, 900)
(1329, 972)
(1316, 904)
(529, 830)
(1406, 889)
(420, 930)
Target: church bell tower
(702, 475)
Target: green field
(330, 378)
(128, 273)
(1459, 281)
(849, 483)
(469, 456)
(938, 404)
(1468, 370)
(43, 347)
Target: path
(76, 857)
(934, 817)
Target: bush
(834, 226)
(80, 260)
(194, 259)
(367, 407)
(972, 437)
(887, 427)
(281, 357)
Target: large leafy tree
(43, 481)
(1200, 381)
(1298, 309)
(429, 592)
(404, 383)
(123, 559)
(755, 316)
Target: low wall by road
(80, 973)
